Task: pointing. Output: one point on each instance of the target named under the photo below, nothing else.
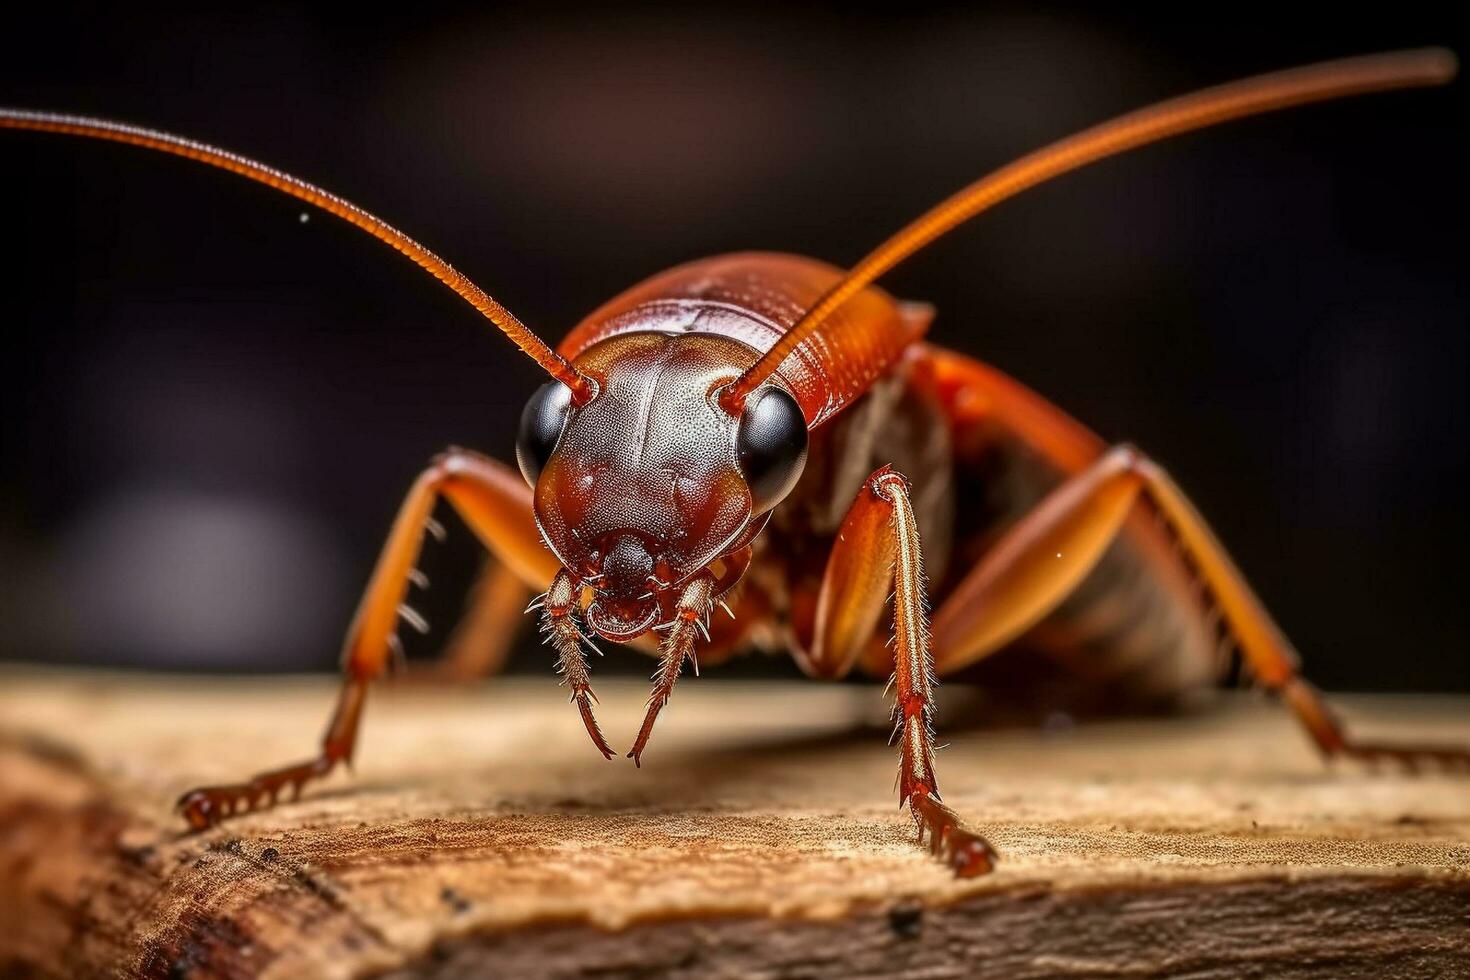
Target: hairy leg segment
(877, 549)
(495, 502)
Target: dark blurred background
(212, 408)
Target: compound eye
(542, 421)
(771, 444)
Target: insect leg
(1267, 652)
(1048, 552)
(483, 639)
(877, 549)
(1037, 563)
(494, 501)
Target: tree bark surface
(482, 835)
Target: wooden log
(481, 835)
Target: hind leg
(494, 501)
(1048, 552)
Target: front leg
(878, 548)
(495, 502)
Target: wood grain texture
(483, 835)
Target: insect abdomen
(1129, 627)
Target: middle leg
(482, 642)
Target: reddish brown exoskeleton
(771, 434)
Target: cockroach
(770, 434)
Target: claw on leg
(966, 852)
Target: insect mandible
(769, 434)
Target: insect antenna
(104, 129)
(1211, 106)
